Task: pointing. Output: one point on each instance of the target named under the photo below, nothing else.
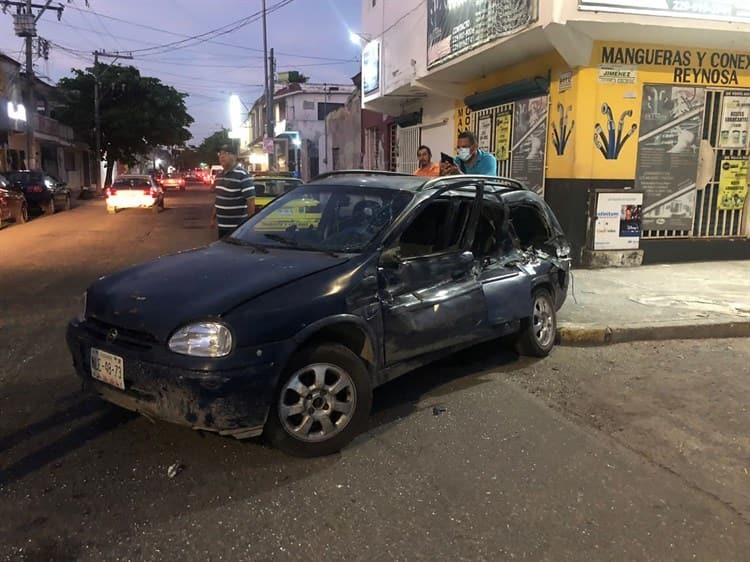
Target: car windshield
(324, 218)
(274, 188)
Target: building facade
(629, 117)
(55, 149)
(300, 131)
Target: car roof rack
(359, 173)
(495, 181)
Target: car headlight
(82, 311)
(202, 339)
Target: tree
(209, 148)
(137, 112)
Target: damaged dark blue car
(285, 327)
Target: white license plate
(107, 368)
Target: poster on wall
(667, 168)
(732, 185)
(371, 67)
(618, 221)
(484, 133)
(527, 148)
(454, 27)
(735, 114)
(724, 10)
(502, 134)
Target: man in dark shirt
(235, 193)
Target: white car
(134, 191)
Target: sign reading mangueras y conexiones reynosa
(689, 66)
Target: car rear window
(25, 177)
(131, 183)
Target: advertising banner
(529, 135)
(667, 168)
(485, 131)
(617, 74)
(732, 185)
(502, 135)
(457, 26)
(723, 10)
(618, 221)
(735, 114)
(371, 67)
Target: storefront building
(632, 122)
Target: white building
(300, 128)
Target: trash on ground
(175, 469)
(437, 410)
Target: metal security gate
(408, 140)
(709, 221)
(477, 117)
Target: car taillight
(36, 189)
(110, 191)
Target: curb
(585, 336)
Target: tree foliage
(209, 148)
(137, 112)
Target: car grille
(125, 337)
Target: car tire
(538, 332)
(68, 204)
(49, 208)
(23, 215)
(309, 385)
(111, 210)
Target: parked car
(269, 187)
(174, 180)
(134, 191)
(13, 205)
(41, 190)
(215, 171)
(287, 331)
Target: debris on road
(437, 410)
(175, 469)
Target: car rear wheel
(323, 402)
(538, 332)
(49, 208)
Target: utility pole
(24, 23)
(97, 116)
(268, 96)
(272, 113)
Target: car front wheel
(538, 332)
(323, 402)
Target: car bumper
(159, 384)
(132, 202)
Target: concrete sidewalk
(676, 301)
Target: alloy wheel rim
(544, 325)
(317, 402)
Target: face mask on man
(464, 154)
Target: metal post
(31, 110)
(97, 127)
(325, 124)
(271, 113)
(266, 96)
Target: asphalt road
(632, 452)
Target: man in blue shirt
(470, 160)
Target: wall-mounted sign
(724, 10)
(732, 185)
(371, 67)
(16, 111)
(617, 74)
(457, 26)
(618, 221)
(735, 114)
(502, 134)
(485, 131)
(529, 142)
(565, 82)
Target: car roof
(133, 176)
(408, 182)
(272, 177)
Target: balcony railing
(49, 126)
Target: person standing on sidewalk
(471, 159)
(235, 193)
(426, 166)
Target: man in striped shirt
(235, 193)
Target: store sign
(720, 10)
(617, 74)
(502, 134)
(565, 82)
(670, 133)
(688, 66)
(371, 67)
(457, 26)
(735, 114)
(16, 111)
(618, 221)
(732, 185)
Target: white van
(216, 169)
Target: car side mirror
(466, 258)
(390, 258)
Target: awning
(523, 89)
